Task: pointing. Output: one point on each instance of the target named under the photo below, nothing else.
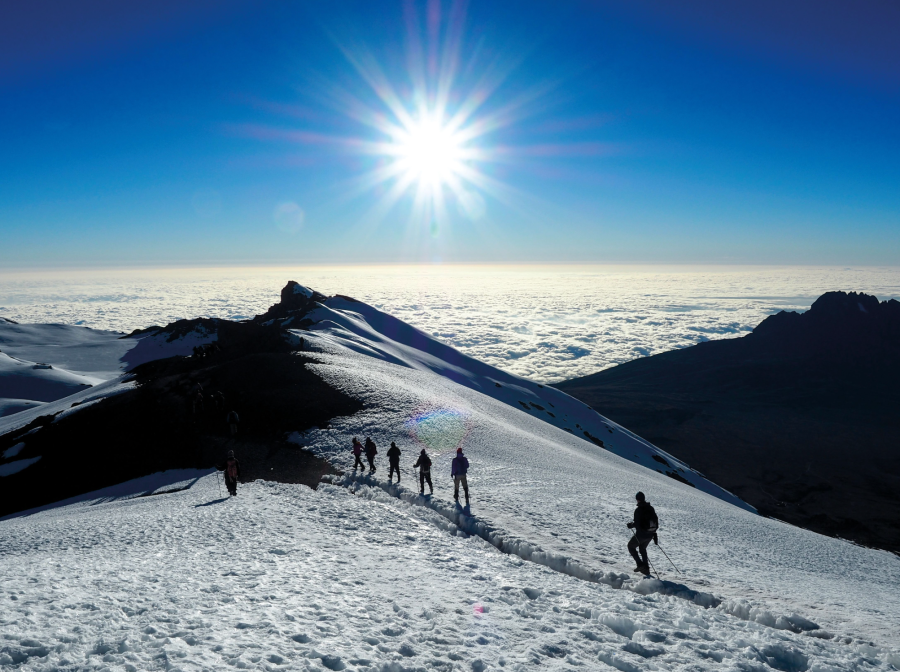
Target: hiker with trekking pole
(232, 473)
(423, 464)
(643, 528)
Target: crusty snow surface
(286, 578)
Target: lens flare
(439, 430)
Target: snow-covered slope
(361, 328)
(91, 352)
(367, 575)
(47, 362)
(551, 497)
(22, 383)
(286, 578)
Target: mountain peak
(836, 321)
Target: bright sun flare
(429, 153)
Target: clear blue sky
(250, 133)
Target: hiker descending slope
(644, 526)
(458, 470)
(424, 466)
(232, 473)
(371, 452)
(357, 452)
(394, 461)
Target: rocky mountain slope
(799, 418)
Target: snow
(286, 578)
(71, 404)
(305, 291)
(171, 480)
(10, 406)
(163, 572)
(22, 380)
(161, 344)
(358, 327)
(90, 352)
(15, 450)
(559, 500)
(16, 466)
(78, 357)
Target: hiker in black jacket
(644, 527)
(371, 452)
(424, 466)
(394, 461)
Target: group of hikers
(213, 401)
(205, 350)
(644, 525)
(458, 469)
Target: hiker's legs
(359, 463)
(639, 544)
(394, 467)
(456, 481)
(428, 480)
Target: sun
(429, 153)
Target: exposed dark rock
(798, 418)
(155, 427)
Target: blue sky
(249, 133)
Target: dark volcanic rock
(156, 427)
(799, 418)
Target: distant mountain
(799, 418)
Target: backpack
(231, 469)
(652, 520)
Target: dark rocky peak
(296, 301)
(835, 321)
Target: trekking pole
(669, 559)
(219, 483)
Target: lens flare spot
(439, 430)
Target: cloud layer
(545, 323)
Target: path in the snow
(543, 488)
(286, 578)
(457, 520)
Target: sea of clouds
(546, 323)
